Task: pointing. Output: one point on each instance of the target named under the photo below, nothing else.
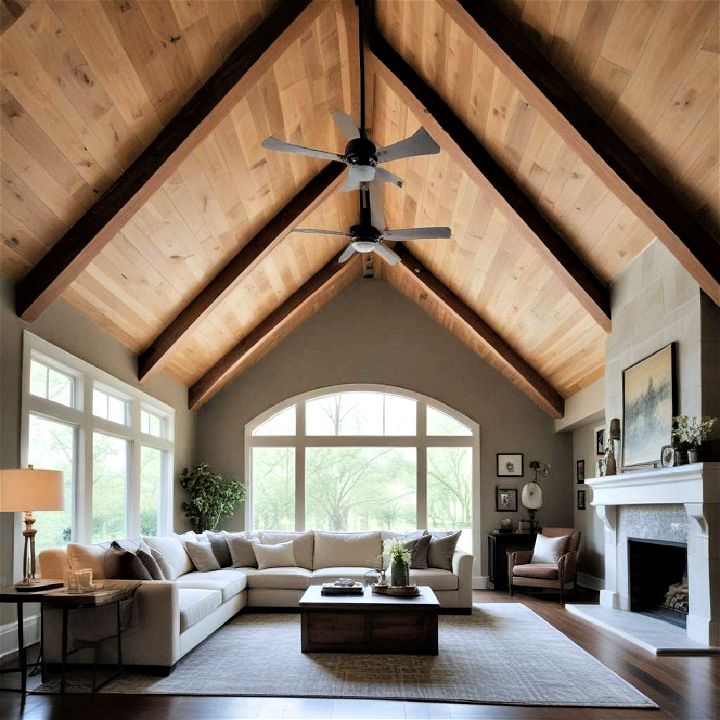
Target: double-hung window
(113, 443)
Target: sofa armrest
(53, 564)
(462, 566)
(517, 557)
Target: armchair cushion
(541, 571)
(549, 549)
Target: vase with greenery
(689, 433)
(210, 496)
(399, 562)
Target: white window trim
(420, 440)
(87, 376)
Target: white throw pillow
(276, 555)
(335, 549)
(549, 549)
(302, 545)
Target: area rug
(501, 654)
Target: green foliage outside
(211, 496)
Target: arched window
(362, 458)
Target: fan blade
(347, 254)
(424, 233)
(382, 175)
(420, 143)
(320, 231)
(358, 174)
(377, 212)
(272, 143)
(346, 125)
(388, 255)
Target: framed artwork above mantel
(649, 405)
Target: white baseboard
(590, 581)
(481, 582)
(8, 634)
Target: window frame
(300, 441)
(81, 417)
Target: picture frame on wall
(581, 499)
(510, 464)
(580, 472)
(506, 499)
(600, 441)
(649, 405)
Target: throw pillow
(548, 549)
(441, 550)
(241, 550)
(202, 556)
(419, 548)
(335, 549)
(174, 553)
(220, 548)
(123, 564)
(302, 545)
(167, 572)
(276, 555)
(87, 556)
(151, 564)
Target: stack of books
(343, 586)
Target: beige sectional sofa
(171, 617)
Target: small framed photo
(600, 441)
(667, 456)
(580, 472)
(510, 465)
(506, 499)
(581, 499)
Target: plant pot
(693, 455)
(399, 573)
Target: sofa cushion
(81, 557)
(435, 578)
(196, 604)
(346, 549)
(228, 581)
(177, 561)
(442, 548)
(241, 550)
(302, 544)
(220, 548)
(323, 575)
(190, 536)
(541, 571)
(286, 578)
(202, 556)
(548, 549)
(279, 555)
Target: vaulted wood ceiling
(86, 87)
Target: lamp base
(38, 585)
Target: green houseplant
(211, 496)
(399, 562)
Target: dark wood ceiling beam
(302, 205)
(10, 12)
(279, 322)
(193, 123)
(527, 378)
(596, 143)
(460, 143)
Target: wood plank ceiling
(85, 87)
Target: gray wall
(70, 330)
(373, 334)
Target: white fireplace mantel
(697, 488)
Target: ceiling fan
(369, 234)
(361, 154)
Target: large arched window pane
(440, 423)
(282, 423)
(273, 488)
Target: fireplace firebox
(658, 579)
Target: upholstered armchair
(556, 576)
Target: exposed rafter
(522, 373)
(240, 265)
(458, 140)
(10, 12)
(314, 293)
(598, 145)
(200, 116)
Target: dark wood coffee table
(369, 623)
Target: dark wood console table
(499, 544)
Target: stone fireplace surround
(680, 504)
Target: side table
(110, 592)
(499, 544)
(20, 599)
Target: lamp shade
(614, 433)
(29, 489)
(532, 496)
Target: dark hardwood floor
(685, 688)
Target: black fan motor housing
(367, 233)
(361, 151)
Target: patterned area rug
(501, 654)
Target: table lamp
(24, 490)
(532, 499)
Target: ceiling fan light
(363, 246)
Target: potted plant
(399, 562)
(211, 496)
(689, 433)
